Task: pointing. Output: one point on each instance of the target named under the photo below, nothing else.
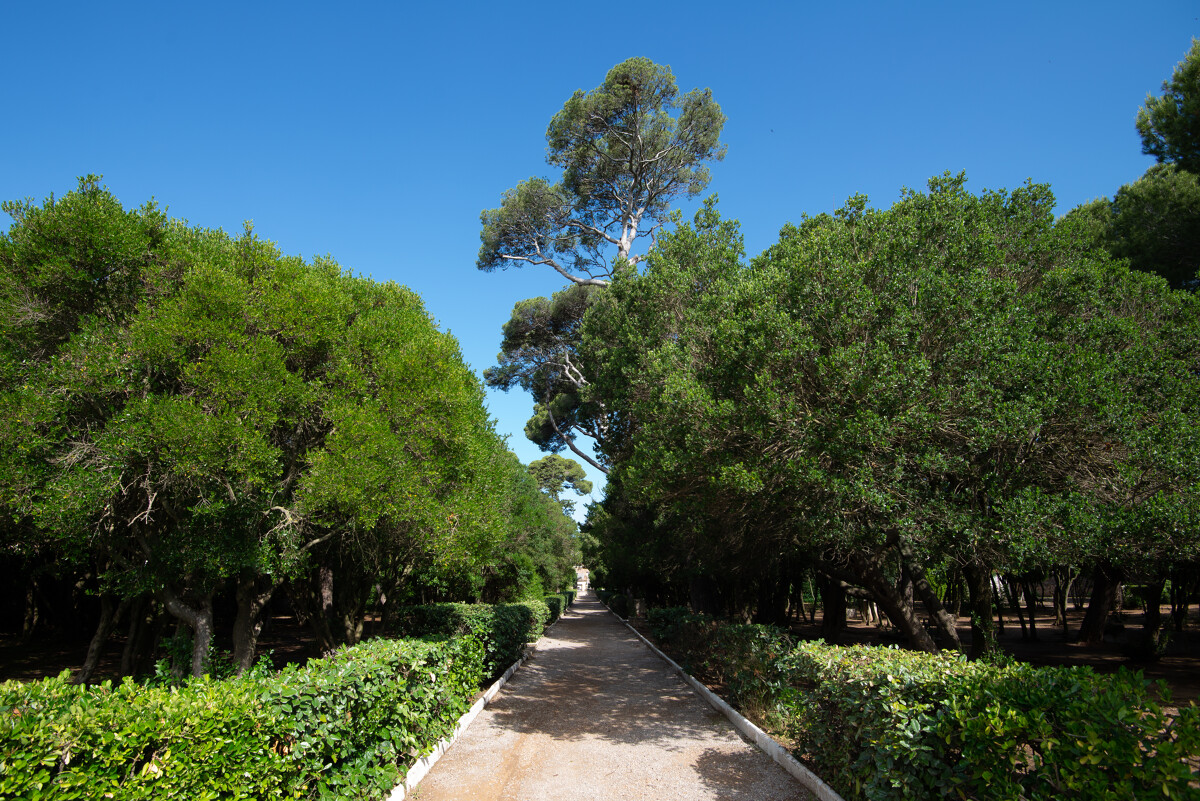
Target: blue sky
(377, 132)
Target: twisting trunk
(1104, 595)
(1010, 591)
(1152, 634)
(199, 619)
(833, 606)
(979, 587)
(1031, 603)
(109, 614)
(1064, 577)
(894, 605)
(946, 624)
(253, 595)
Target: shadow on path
(594, 708)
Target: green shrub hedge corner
(883, 723)
(502, 630)
(347, 726)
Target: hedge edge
(765, 743)
(422, 766)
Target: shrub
(502, 630)
(345, 726)
(555, 604)
(882, 723)
(619, 604)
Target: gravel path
(594, 711)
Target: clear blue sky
(377, 132)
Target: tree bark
(946, 624)
(1064, 577)
(30, 619)
(109, 614)
(1152, 633)
(979, 588)
(833, 606)
(199, 619)
(894, 605)
(1106, 581)
(1031, 603)
(253, 595)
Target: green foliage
(347, 726)
(890, 724)
(627, 150)
(502, 630)
(957, 375)
(554, 474)
(1153, 222)
(1170, 124)
(555, 604)
(183, 408)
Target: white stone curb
(811, 781)
(423, 765)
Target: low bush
(619, 604)
(502, 630)
(347, 726)
(555, 605)
(882, 723)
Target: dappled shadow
(591, 677)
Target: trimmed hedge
(503, 629)
(555, 604)
(347, 726)
(883, 723)
(559, 602)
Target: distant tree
(628, 149)
(554, 475)
(1154, 222)
(1170, 124)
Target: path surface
(594, 714)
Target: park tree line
(899, 404)
(198, 427)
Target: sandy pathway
(595, 712)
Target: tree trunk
(946, 624)
(894, 604)
(1064, 577)
(1184, 582)
(833, 606)
(109, 614)
(771, 608)
(1031, 603)
(30, 618)
(1008, 583)
(253, 595)
(1104, 594)
(1152, 634)
(979, 588)
(199, 619)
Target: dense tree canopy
(185, 410)
(956, 375)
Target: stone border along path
(595, 711)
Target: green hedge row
(347, 726)
(882, 723)
(502, 630)
(558, 603)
